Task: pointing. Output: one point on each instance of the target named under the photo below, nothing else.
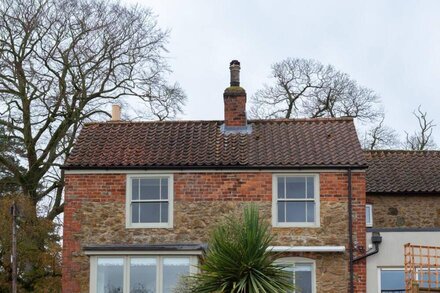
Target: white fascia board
(306, 248)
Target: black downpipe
(350, 231)
(376, 239)
(376, 250)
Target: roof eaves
(406, 192)
(204, 167)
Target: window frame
(379, 275)
(275, 223)
(369, 224)
(193, 260)
(128, 201)
(300, 260)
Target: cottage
(141, 197)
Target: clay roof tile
(398, 171)
(271, 143)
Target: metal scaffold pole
(14, 247)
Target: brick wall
(95, 214)
(359, 231)
(405, 211)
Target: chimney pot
(234, 67)
(116, 112)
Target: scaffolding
(422, 268)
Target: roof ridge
(403, 151)
(320, 119)
(277, 120)
(149, 122)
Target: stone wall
(405, 211)
(331, 271)
(95, 214)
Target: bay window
(139, 274)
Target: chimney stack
(116, 112)
(235, 100)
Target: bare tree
(380, 136)
(421, 139)
(61, 63)
(164, 101)
(308, 88)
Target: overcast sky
(392, 47)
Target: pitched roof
(403, 171)
(198, 144)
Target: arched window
(303, 273)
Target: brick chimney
(235, 100)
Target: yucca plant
(238, 261)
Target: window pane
(173, 270)
(303, 278)
(150, 212)
(295, 187)
(135, 189)
(135, 212)
(310, 212)
(310, 187)
(392, 280)
(296, 211)
(164, 188)
(281, 211)
(164, 212)
(281, 190)
(150, 188)
(142, 275)
(368, 214)
(429, 278)
(110, 275)
(291, 270)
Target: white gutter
(306, 248)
